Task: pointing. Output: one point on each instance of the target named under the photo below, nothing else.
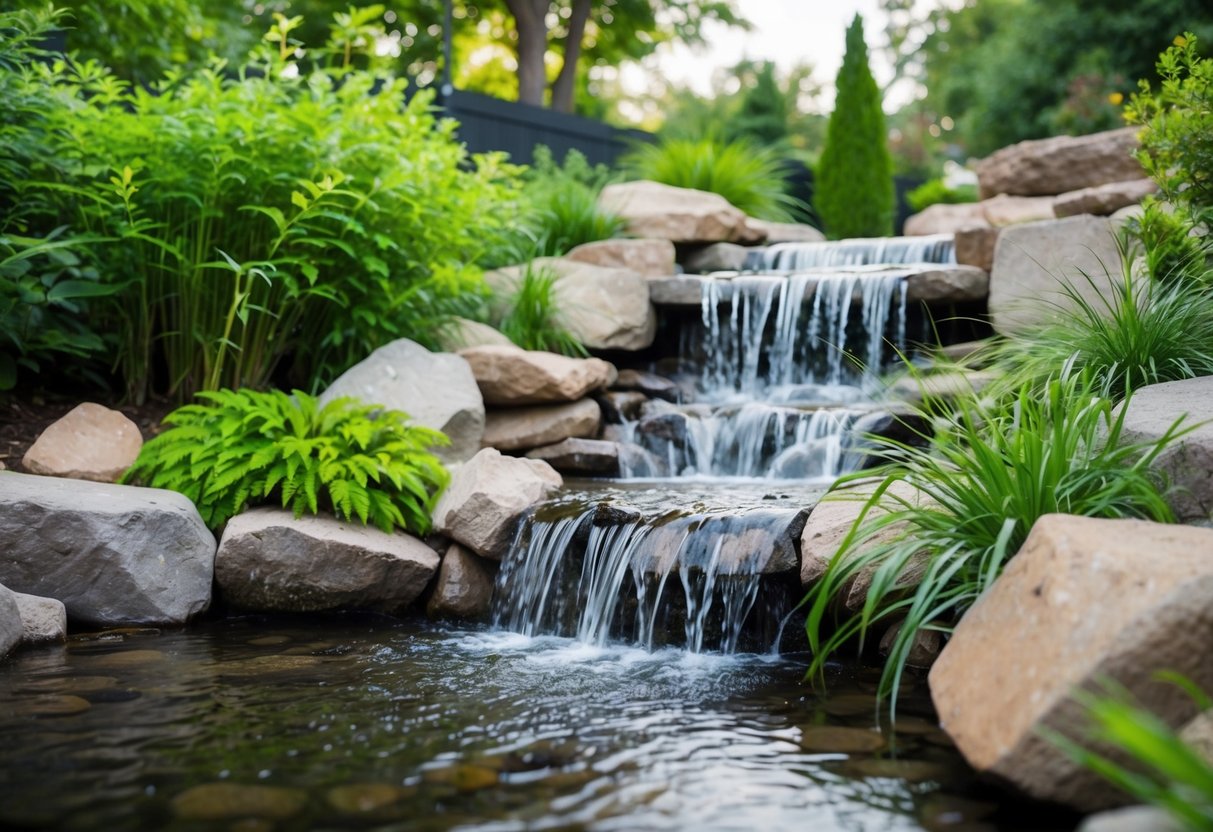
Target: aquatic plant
(245, 447)
(1162, 769)
(985, 476)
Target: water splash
(795, 257)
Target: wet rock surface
(463, 589)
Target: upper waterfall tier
(891, 251)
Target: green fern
(245, 448)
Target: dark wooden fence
(487, 123)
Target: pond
(356, 722)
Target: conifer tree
(855, 174)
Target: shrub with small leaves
(245, 447)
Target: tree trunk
(566, 82)
(532, 46)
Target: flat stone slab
(521, 428)
(591, 457)
(1188, 463)
(1044, 167)
(113, 554)
(509, 375)
(934, 284)
(1084, 600)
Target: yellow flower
(1115, 99)
(1180, 41)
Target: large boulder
(437, 390)
(486, 498)
(945, 218)
(464, 588)
(1188, 462)
(113, 554)
(650, 258)
(42, 619)
(11, 628)
(1084, 601)
(1032, 261)
(603, 308)
(1003, 210)
(1104, 199)
(520, 428)
(461, 333)
(513, 376)
(1045, 167)
(680, 215)
(269, 560)
(91, 442)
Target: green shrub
(935, 192)
(245, 447)
(283, 210)
(1175, 247)
(855, 175)
(532, 321)
(1138, 331)
(748, 176)
(1165, 771)
(987, 474)
(1177, 144)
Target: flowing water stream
(638, 673)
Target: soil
(24, 417)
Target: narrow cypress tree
(855, 174)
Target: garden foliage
(935, 192)
(563, 205)
(532, 321)
(243, 448)
(277, 210)
(855, 174)
(986, 475)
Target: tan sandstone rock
(461, 333)
(91, 442)
(464, 587)
(486, 498)
(1103, 200)
(514, 376)
(520, 428)
(975, 247)
(785, 232)
(1060, 164)
(680, 215)
(1083, 600)
(944, 218)
(1004, 210)
(650, 258)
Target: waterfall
(795, 257)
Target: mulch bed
(24, 417)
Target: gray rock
(785, 232)
(460, 334)
(680, 215)
(270, 561)
(1084, 600)
(592, 457)
(437, 390)
(620, 406)
(1045, 167)
(509, 375)
(1188, 463)
(1032, 261)
(91, 442)
(717, 257)
(43, 619)
(1131, 819)
(651, 384)
(464, 587)
(603, 308)
(486, 498)
(684, 290)
(12, 630)
(923, 651)
(953, 284)
(521, 428)
(650, 258)
(113, 554)
(1103, 200)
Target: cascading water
(788, 362)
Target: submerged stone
(231, 801)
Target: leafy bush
(1139, 331)
(532, 321)
(282, 210)
(563, 202)
(987, 475)
(935, 192)
(748, 176)
(1177, 144)
(246, 447)
(855, 175)
(1166, 772)
(1174, 245)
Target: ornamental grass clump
(985, 477)
(244, 447)
(532, 321)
